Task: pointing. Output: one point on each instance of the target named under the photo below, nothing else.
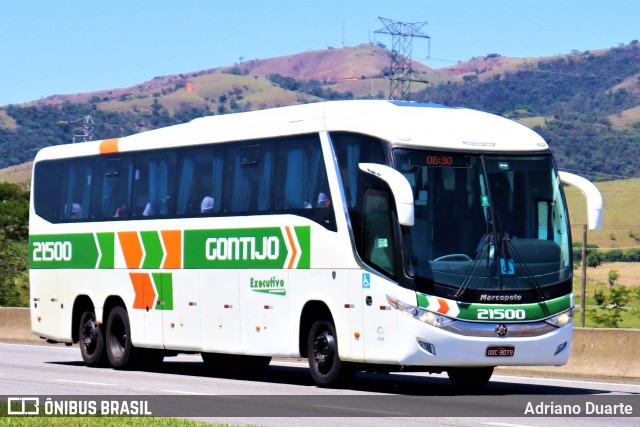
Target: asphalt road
(285, 395)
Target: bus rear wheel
(120, 350)
(91, 340)
(470, 379)
(324, 362)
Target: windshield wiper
(510, 248)
(486, 249)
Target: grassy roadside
(597, 281)
(103, 422)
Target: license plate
(500, 351)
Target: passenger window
(302, 185)
(377, 231)
(200, 182)
(47, 190)
(112, 189)
(251, 178)
(153, 185)
(352, 149)
(76, 190)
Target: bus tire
(470, 379)
(118, 340)
(324, 362)
(91, 340)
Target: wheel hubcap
(324, 349)
(90, 335)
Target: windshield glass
(485, 222)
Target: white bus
(362, 235)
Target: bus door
(378, 251)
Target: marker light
(429, 317)
(561, 319)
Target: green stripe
(304, 239)
(240, 248)
(164, 286)
(63, 251)
(533, 311)
(106, 242)
(152, 248)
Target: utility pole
(87, 129)
(583, 284)
(402, 34)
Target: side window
(47, 194)
(153, 179)
(377, 231)
(76, 189)
(112, 187)
(251, 178)
(302, 181)
(302, 186)
(352, 149)
(200, 182)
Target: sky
(52, 47)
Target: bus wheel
(91, 340)
(119, 348)
(326, 367)
(470, 379)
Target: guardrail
(596, 352)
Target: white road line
(507, 425)
(82, 382)
(577, 381)
(195, 393)
(43, 346)
(364, 411)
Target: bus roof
(401, 123)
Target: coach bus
(362, 235)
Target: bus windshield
(485, 222)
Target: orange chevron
(108, 146)
(293, 248)
(444, 307)
(131, 248)
(173, 248)
(145, 293)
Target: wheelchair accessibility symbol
(506, 267)
(366, 280)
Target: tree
(594, 259)
(613, 277)
(14, 229)
(613, 304)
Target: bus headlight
(429, 317)
(561, 319)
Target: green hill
(585, 104)
(621, 225)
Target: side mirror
(595, 204)
(400, 189)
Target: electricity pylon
(87, 129)
(402, 34)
